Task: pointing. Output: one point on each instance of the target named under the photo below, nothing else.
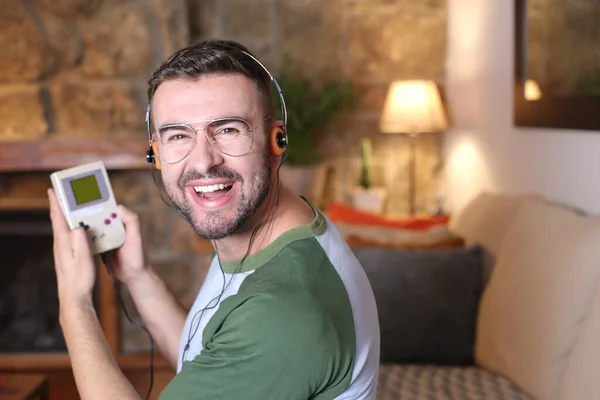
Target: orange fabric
(346, 214)
(357, 242)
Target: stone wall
(78, 69)
(372, 42)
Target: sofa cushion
(484, 221)
(581, 374)
(428, 382)
(427, 302)
(539, 296)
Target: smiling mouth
(213, 191)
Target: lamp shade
(413, 107)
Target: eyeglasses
(231, 136)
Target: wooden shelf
(54, 154)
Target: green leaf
(311, 104)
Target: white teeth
(211, 188)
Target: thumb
(81, 244)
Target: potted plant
(311, 103)
(366, 197)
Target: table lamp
(413, 107)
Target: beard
(215, 225)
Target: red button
(107, 221)
(113, 215)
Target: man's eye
(177, 136)
(174, 134)
(227, 130)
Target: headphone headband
(277, 86)
(273, 80)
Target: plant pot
(370, 200)
(307, 181)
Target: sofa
(511, 313)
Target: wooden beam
(53, 154)
(55, 361)
(109, 313)
(34, 361)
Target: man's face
(218, 194)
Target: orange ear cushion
(157, 163)
(273, 146)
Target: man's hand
(129, 261)
(73, 262)
(95, 369)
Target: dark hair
(213, 57)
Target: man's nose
(204, 156)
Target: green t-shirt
(296, 321)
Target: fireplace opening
(28, 294)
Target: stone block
(166, 233)
(263, 50)
(96, 108)
(71, 8)
(311, 36)
(21, 113)
(174, 28)
(343, 134)
(23, 44)
(132, 188)
(118, 42)
(371, 96)
(64, 42)
(247, 18)
(204, 19)
(388, 43)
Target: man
(286, 311)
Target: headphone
(278, 137)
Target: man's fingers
(129, 218)
(60, 229)
(81, 244)
(132, 224)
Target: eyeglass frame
(209, 139)
(281, 101)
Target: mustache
(216, 173)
